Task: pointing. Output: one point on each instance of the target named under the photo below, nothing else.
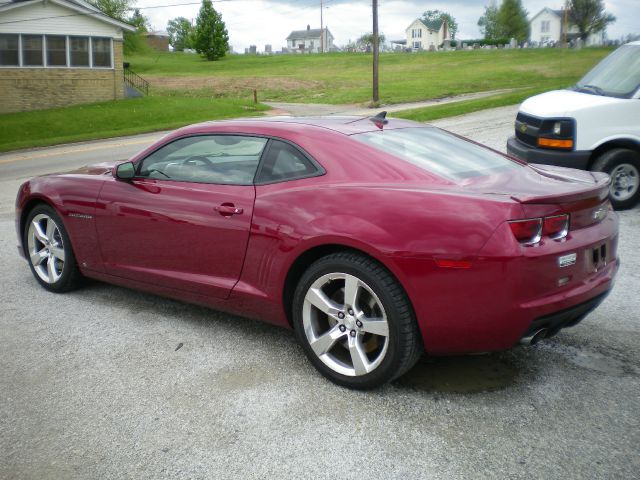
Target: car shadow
(461, 374)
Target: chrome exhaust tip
(534, 337)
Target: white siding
(35, 19)
(426, 38)
(555, 26)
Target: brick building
(55, 53)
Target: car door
(183, 221)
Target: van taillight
(527, 232)
(531, 230)
(556, 227)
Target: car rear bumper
(568, 317)
(571, 159)
(506, 294)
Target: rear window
(438, 152)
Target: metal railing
(134, 80)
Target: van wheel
(623, 165)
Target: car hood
(95, 169)
(563, 103)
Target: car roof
(347, 125)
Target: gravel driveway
(94, 386)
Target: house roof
(557, 13)
(433, 25)
(307, 34)
(80, 6)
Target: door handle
(228, 209)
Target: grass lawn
(346, 77)
(187, 89)
(110, 119)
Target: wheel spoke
(351, 287)
(324, 342)
(38, 257)
(38, 232)
(51, 228)
(376, 326)
(58, 252)
(359, 359)
(51, 269)
(318, 299)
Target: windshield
(438, 152)
(618, 75)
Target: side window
(284, 162)
(221, 159)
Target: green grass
(460, 108)
(187, 89)
(109, 119)
(346, 77)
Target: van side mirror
(125, 171)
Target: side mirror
(125, 171)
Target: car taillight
(527, 232)
(531, 230)
(556, 227)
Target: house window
(416, 33)
(79, 48)
(101, 48)
(9, 51)
(32, 51)
(56, 51)
(545, 26)
(417, 44)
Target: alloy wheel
(345, 324)
(46, 248)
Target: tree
(589, 16)
(117, 9)
(434, 15)
(139, 21)
(211, 39)
(181, 33)
(366, 40)
(488, 22)
(512, 21)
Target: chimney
(308, 27)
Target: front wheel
(355, 321)
(49, 252)
(623, 165)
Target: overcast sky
(260, 22)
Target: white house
(547, 27)
(423, 35)
(309, 40)
(54, 53)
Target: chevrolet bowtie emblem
(600, 213)
(523, 127)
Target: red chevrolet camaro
(374, 240)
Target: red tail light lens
(527, 232)
(556, 227)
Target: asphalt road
(92, 384)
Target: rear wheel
(623, 165)
(49, 252)
(355, 322)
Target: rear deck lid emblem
(567, 260)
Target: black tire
(621, 160)
(403, 342)
(69, 275)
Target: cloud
(261, 22)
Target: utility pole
(564, 23)
(321, 30)
(376, 45)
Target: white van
(594, 125)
